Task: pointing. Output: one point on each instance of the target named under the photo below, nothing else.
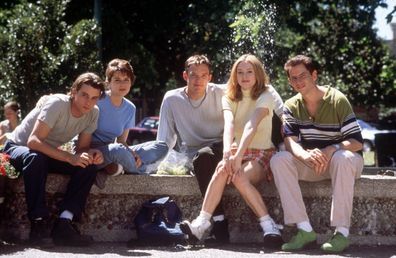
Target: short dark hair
(13, 105)
(119, 65)
(90, 79)
(197, 60)
(300, 59)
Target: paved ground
(121, 249)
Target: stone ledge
(368, 186)
(109, 213)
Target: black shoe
(219, 234)
(40, 234)
(66, 234)
(273, 241)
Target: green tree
(339, 36)
(40, 53)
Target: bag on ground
(157, 222)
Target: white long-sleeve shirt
(198, 123)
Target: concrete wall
(109, 213)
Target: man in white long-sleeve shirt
(193, 114)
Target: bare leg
(253, 173)
(214, 191)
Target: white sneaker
(120, 170)
(114, 169)
(197, 229)
(271, 228)
(272, 235)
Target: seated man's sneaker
(336, 244)
(66, 234)
(114, 169)
(39, 235)
(300, 240)
(196, 230)
(273, 238)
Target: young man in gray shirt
(34, 150)
(193, 115)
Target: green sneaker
(336, 244)
(300, 240)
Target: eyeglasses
(301, 77)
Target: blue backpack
(157, 223)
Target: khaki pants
(344, 167)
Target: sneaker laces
(274, 228)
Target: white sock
(66, 215)
(218, 218)
(268, 225)
(203, 215)
(343, 230)
(305, 225)
(264, 218)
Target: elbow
(359, 146)
(32, 143)
(251, 129)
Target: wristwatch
(337, 146)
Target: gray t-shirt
(198, 123)
(56, 113)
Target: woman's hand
(236, 165)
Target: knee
(36, 158)
(35, 163)
(91, 171)
(281, 157)
(348, 160)
(220, 174)
(203, 156)
(162, 149)
(241, 183)
(116, 150)
(162, 146)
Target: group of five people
(227, 131)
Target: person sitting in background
(11, 114)
(116, 117)
(247, 109)
(323, 141)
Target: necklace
(200, 103)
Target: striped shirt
(334, 121)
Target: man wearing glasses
(323, 141)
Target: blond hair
(234, 91)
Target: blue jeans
(149, 153)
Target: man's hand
(96, 156)
(316, 159)
(82, 159)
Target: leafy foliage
(40, 54)
(339, 36)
